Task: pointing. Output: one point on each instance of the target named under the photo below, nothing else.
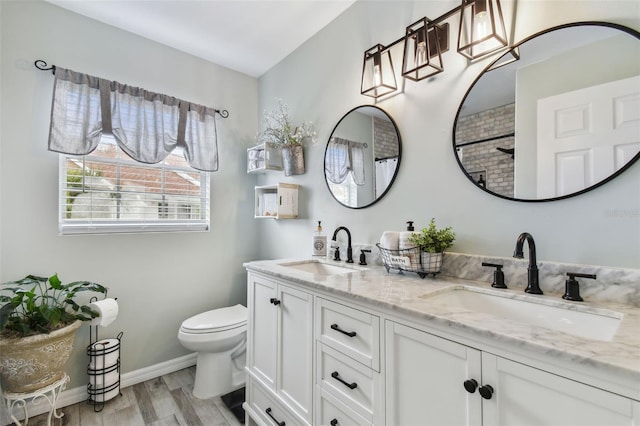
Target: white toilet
(219, 336)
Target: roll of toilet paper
(102, 381)
(107, 310)
(103, 355)
(390, 240)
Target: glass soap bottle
(319, 242)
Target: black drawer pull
(348, 333)
(274, 301)
(336, 376)
(334, 422)
(268, 411)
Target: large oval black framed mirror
(561, 120)
(362, 157)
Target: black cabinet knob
(334, 422)
(275, 301)
(486, 391)
(470, 385)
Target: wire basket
(411, 260)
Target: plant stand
(49, 393)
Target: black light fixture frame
(443, 40)
(436, 39)
(474, 5)
(375, 53)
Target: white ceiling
(249, 36)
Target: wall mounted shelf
(279, 201)
(263, 157)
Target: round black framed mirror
(558, 121)
(362, 157)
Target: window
(108, 192)
(345, 192)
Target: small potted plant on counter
(432, 243)
(38, 322)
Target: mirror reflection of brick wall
(483, 157)
(385, 142)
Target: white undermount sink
(318, 268)
(597, 324)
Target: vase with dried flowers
(279, 132)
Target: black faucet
(533, 283)
(349, 250)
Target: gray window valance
(146, 125)
(344, 156)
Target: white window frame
(70, 226)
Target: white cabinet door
(262, 332)
(295, 349)
(524, 396)
(425, 378)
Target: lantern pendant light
(481, 29)
(378, 76)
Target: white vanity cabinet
(425, 384)
(348, 380)
(280, 349)
(424, 379)
(319, 356)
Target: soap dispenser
(407, 247)
(404, 242)
(319, 241)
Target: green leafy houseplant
(37, 305)
(432, 239)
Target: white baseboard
(79, 394)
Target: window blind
(108, 192)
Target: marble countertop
(409, 294)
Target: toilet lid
(216, 320)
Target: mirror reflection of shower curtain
(385, 170)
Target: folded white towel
(390, 240)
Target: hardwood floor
(163, 401)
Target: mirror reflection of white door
(586, 135)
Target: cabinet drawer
(264, 409)
(349, 381)
(350, 331)
(331, 412)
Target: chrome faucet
(533, 283)
(349, 250)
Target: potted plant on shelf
(432, 243)
(38, 322)
(279, 132)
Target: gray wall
(159, 279)
(321, 82)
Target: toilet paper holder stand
(103, 368)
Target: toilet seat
(216, 320)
